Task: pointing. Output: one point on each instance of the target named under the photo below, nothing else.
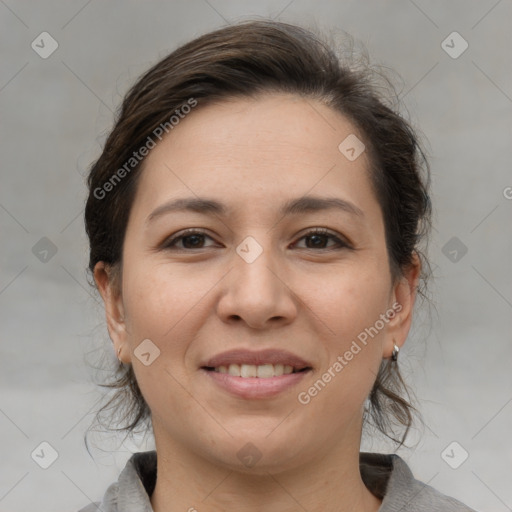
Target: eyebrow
(299, 206)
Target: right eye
(190, 238)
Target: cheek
(349, 302)
(157, 299)
(347, 308)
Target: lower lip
(254, 387)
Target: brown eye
(190, 239)
(319, 238)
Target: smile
(263, 371)
(254, 387)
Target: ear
(403, 297)
(110, 291)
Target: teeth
(263, 371)
(249, 370)
(278, 369)
(234, 369)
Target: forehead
(256, 151)
(263, 125)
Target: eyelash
(170, 243)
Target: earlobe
(110, 292)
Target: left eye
(194, 239)
(319, 236)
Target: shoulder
(93, 507)
(391, 476)
(132, 491)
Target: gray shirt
(387, 476)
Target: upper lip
(269, 356)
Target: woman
(254, 224)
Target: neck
(330, 482)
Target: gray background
(55, 114)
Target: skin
(304, 295)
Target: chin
(257, 456)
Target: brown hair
(244, 60)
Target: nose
(256, 290)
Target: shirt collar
(383, 474)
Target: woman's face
(256, 277)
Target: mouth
(256, 375)
(262, 371)
(263, 364)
